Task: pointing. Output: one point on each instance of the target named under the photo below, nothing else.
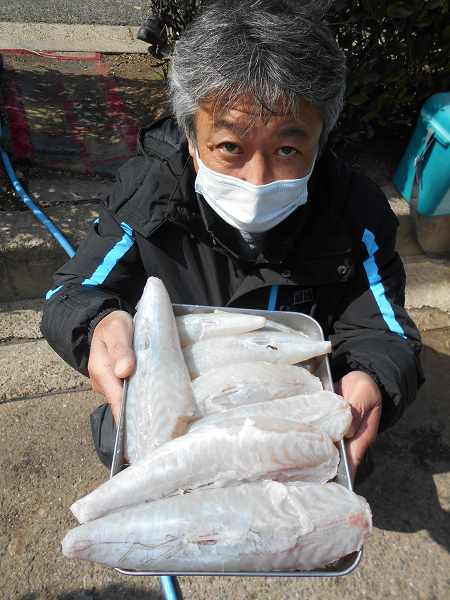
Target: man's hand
(364, 397)
(111, 357)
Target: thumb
(124, 366)
(116, 333)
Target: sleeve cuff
(96, 320)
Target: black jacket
(334, 258)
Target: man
(239, 203)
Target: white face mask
(249, 207)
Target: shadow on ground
(112, 592)
(409, 490)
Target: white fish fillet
(269, 346)
(228, 454)
(195, 327)
(265, 526)
(159, 398)
(323, 410)
(275, 326)
(249, 383)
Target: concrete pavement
(45, 37)
(48, 461)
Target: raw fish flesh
(249, 383)
(195, 327)
(323, 410)
(269, 346)
(220, 455)
(266, 526)
(275, 326)
(159, 397)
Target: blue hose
(166, 581)
(168, 588)
(32, 206)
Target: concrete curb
(47, 37)
(29, 255)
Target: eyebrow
(241, 130)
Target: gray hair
(278, 50)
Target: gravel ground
(48, 461)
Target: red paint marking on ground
(57, 55)
(21, 135)
(115, 105)
(67, 105)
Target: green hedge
(398, 54)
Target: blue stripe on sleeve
(112, 258)
(273, 298)
(376, 285)
(50, 293)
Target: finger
(362, 394)
(357, 418)
(111, 358)
(363, 438)
(111, 387)
(103, 378)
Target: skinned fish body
(159, 398)
(229, 453)
(275, 326)
(202, 326)
(249, 383)
(267, 526)
(257, 346)
(322, 410)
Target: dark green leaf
(381, 103)
(400, 45)
(352, 136)
(351, 85)
(359, 99)
(400, 12)
(435, 3)
(368, 6)
(425, 23)
(371, 78)
(372, 114)
(369, 130)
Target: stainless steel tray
(320, 367)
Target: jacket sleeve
(373, 332)
(106, 274)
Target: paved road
(94, 12)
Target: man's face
(257, 150)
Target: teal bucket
(434, 159)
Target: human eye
(230, 148)
(286, 151)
